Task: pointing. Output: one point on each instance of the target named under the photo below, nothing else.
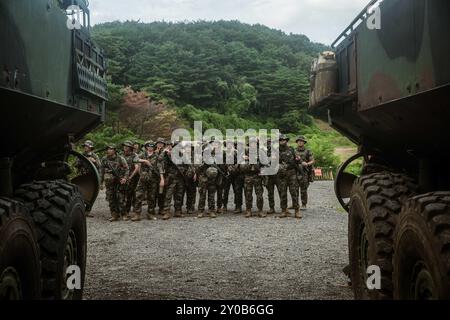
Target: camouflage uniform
(175, 185)
(148, 184)
(191, 186)
(82, 169)
(115, 192)
(271, 182)
(207, 188)
(132, 159)
(235, 180)
(227, 183)
(161, 195)
(287, 178)
(306, 156)
(222, 182)
(252, 181)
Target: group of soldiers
(134, 175)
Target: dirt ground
(229, 257)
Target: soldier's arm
(126, 169)
(135, 169)
(311, 159)
(161, 168)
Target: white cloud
(320, 20)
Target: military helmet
(112, 146)
(149, 144)
(212, 173)
(301, 138)
(160, 140)
(284, 137)
(128, 143)
(88, 143)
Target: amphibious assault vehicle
(52, 92)
(386, 86)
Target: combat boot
(248, 213)
(298, 214)
(200, 214)
(126, 217)
(271, 211)
(151, 215)
(178, 214)
(114, 217)
(262, 214)
(219, 211)
(212, 214)
(190, 211)
(285, 214)
(304, 207)
(238, 210)
(136, 217)
(166, 215)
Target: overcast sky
(320, 20)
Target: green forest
(227, 74)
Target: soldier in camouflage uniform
(270, 182)
(305, 161)
(148, 182)
(133, 179)
(114, 174)
(229, 168)
(287, 177)
(222, 177)
(191, 183)
(88, 152)
(253, 181)
(237, 181)
(174, 182)
(207, 175)
(160, 197)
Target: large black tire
(20, 267)
(376, 201)
(422, 248)
(58, 211)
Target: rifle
(152, 167)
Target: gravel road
(229, 257)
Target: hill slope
(223, 67)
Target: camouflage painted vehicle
(52, 92)
(388, 90)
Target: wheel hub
(10, 287)
(70, 259)
(422, 285)
(363, 256)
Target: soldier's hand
(161, 183)
(195, 177)
(304, 164)
(123, 181)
